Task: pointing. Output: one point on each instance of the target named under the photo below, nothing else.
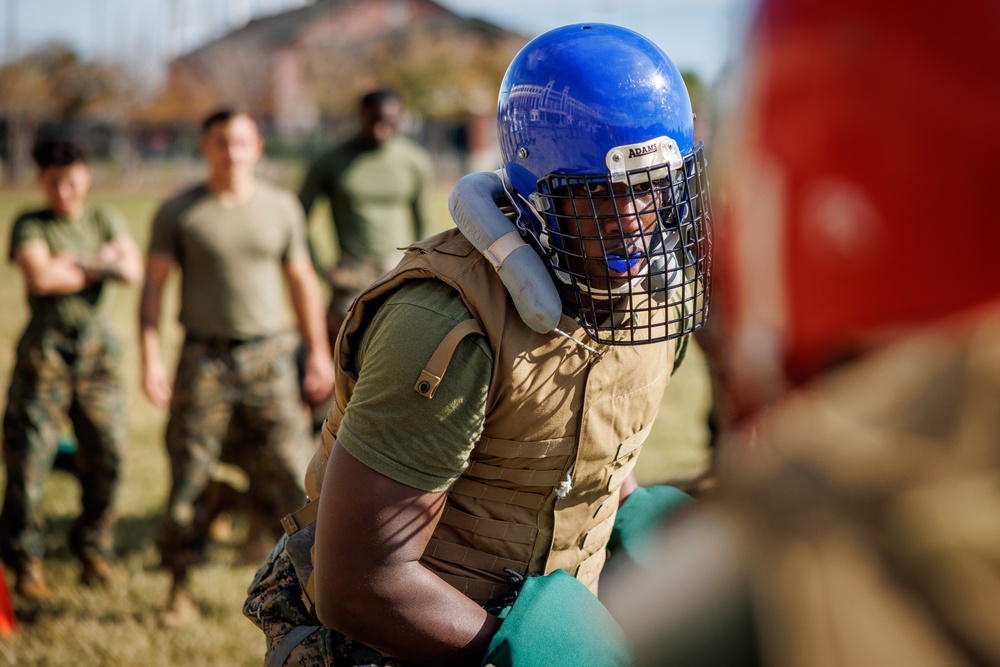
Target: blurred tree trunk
(20, 136)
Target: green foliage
(696, 90)
(53, 83)
(118, 625)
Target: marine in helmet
(495, 388)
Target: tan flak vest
(562, 432)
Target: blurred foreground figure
(67, 367)
(859, 517)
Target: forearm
(149, 342)
(308, 305)
(406, 611)
(149, 325)
(97, 270)
(370, 584)
(127, 259)
(61, 275)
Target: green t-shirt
(377, 197)
(423, 443)
(84, 236)
(231, 259)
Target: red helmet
(861, 184)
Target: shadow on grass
(133, 535)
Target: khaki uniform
(563, 429)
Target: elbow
(37, 288)
(340, 606)
(329, 615)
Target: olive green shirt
(423, 443)
(231, 259)
(84, 237)
(377, 196)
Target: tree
(439, 71)
(53, 85)
(227, 74)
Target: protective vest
(562, 432)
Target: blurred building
(302, 71)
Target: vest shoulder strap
(432, 374)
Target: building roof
(287, 28)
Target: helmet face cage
(596, 133)
(631, 253)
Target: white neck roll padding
(474, 208)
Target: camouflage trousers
(237, 402)
(274, 604)
(62, 376)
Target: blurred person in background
(436, 499)
(857, 520)
(66, 367)
(376, 184)
(239, 243)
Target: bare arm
(46, 273)
(155, 383)
(370, 585)
(69, 273)
(304, 289)
(118, 259)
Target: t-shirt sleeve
(423, 443)
(297, 232)
(162, 238)
(26, 228)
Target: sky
(697, 34)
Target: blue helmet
(597, 136)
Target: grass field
(117, 625)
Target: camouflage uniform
(274, 604)
(59, 374)
(236, 401)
